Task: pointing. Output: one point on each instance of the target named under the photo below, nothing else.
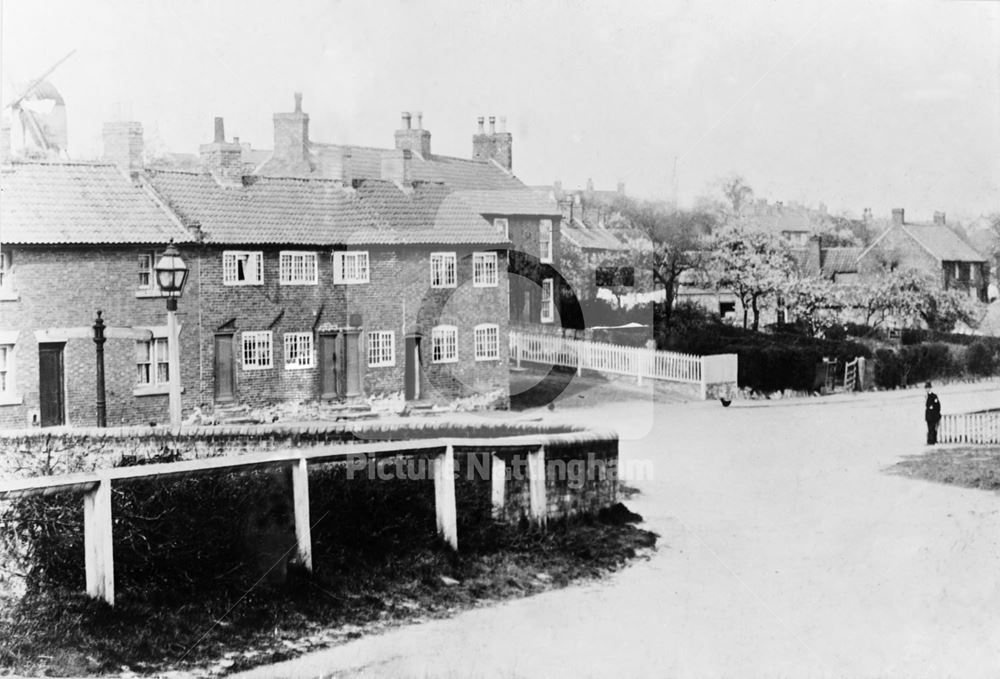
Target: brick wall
(63, 288)
(527, 271)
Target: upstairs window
(444, 270)
(297, 268)
(547, 314)
(545, 240)
(152, 362)
(502, 225)
(298, 350)
(242, 268)
(381, 349)
(487, 340)
(257, 353)
(350, 267)
(484, 269)
(6, 270)
(147, 277)
(444, 344)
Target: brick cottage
(299, 288)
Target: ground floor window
(444, 344)
(298, 350)
(487, 339)
(381, 349)
(152, 362)
(548, 304)
(6, 369)
(257, 350)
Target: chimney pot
(493, 126)
(503, 124)
(898, 216)
(406, 120)
(298, 102)
(220, 131)
(939, 218)
(480, 121)
(420, 120)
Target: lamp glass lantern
(171, 275)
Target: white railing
(981, 427)
(621, 360)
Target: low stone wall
(580, 470)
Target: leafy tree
(749, 261)
(666, 242)
(816, 301)
(911, 294)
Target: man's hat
(927, 386)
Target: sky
(853, 104)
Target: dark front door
(225, 382)
(331, 357)
(412, 377)
(51, 394)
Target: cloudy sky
(856, 104)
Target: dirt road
(786, 551)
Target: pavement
(786, 550)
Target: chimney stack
(123, 146)
(221, 159)
(897, 215)
(939, 218)
(291, 138)
(493, 145)
(414, 140)
(396, 166)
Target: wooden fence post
(99, 555)
(498, 485)
(536, 486)
(300, 501)
(444, 496)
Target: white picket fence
(983, 427)
(621, 360)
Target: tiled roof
(80, 203)
(266, 210)
(943, 243)
(517, 202)
(591, 238)
(327, 161)
(429, 213)
(840, 260)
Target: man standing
(932, 414)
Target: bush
(860, 330)
(911, 336)
(888, 369)
(923, 362)
(980, 359)
(836, 333)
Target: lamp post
(99, 340)
(171, 274)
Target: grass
(389, 571)
(967, 466)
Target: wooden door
(225, 374)
(331, 371)
(51, 392)
(412, 376)
(352, 364)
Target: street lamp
(171, 274)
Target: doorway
(225, 374)
(331, 366)
(412, 376)
(51, 384)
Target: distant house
(933, 248)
